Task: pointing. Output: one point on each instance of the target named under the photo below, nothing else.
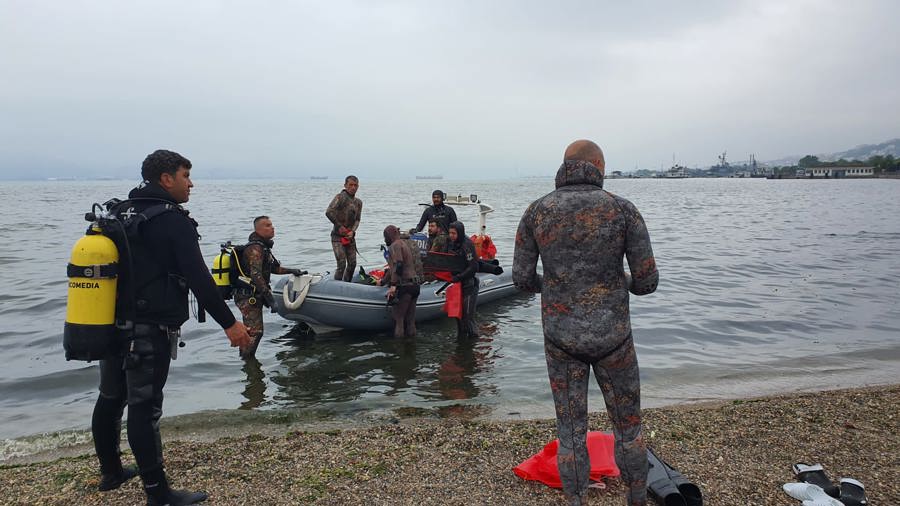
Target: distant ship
(318, 177)
(429, 177)
(676, 172)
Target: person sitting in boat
(463, 247)
(437, 235)
(404, 275)
(438, 210)
(259, 263)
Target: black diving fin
(669, 486)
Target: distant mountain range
(862, 152)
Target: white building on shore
(840, 172)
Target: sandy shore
(740, 453)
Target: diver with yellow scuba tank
(244, 272)
(128, 285)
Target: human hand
(455, 279)
(297, 272)
(238, 335)
(412, 231)
(391, 292)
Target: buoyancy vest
(149, 290)
(268, 259)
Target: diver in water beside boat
(403, 275)
(258, 263)
(462, 246)
(344, 213)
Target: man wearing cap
(442, 212)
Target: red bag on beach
(542, 466)
(453, 302)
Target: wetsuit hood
(578, 172)
(150, 191)
(254, 237)
(460, 230)
(391, 234)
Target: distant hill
(861, 152)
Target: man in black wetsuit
(151, 307)
(462, 246)
(437, 210)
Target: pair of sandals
(668, 486)
(816, 489)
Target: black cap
(437, 192)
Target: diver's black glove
(297, 272)
(455, 279)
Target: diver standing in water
(462, 246)
(344, 213)
(404, 275)
(258, 262)
(581, 233)
(166, 261)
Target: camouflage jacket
(259, 263)
(407, 253)
(344, 211)
(581, 233)
(438, 242)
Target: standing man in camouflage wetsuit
(581, 232)
(344, 213)
(258, 263)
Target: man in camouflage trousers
(344, 213)
(581, 233)
(258, 263)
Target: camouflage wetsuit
(344, 213)
(258, 263)
(438, 242)
(405, 272)
(581, 232)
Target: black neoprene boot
(115, 479)
(159, 494)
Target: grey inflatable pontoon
(328, 305)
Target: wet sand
(740, 453)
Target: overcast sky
(461, 88)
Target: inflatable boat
(328, 305)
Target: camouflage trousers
(346, 260)
(252, 315)
(617, 375)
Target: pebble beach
(740, 452)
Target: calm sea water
(765, 287)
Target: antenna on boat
(483, 209)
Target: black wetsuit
(443, 213)
(167, 261)
(465, 249)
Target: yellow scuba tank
(90, 328)
(221, 270)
